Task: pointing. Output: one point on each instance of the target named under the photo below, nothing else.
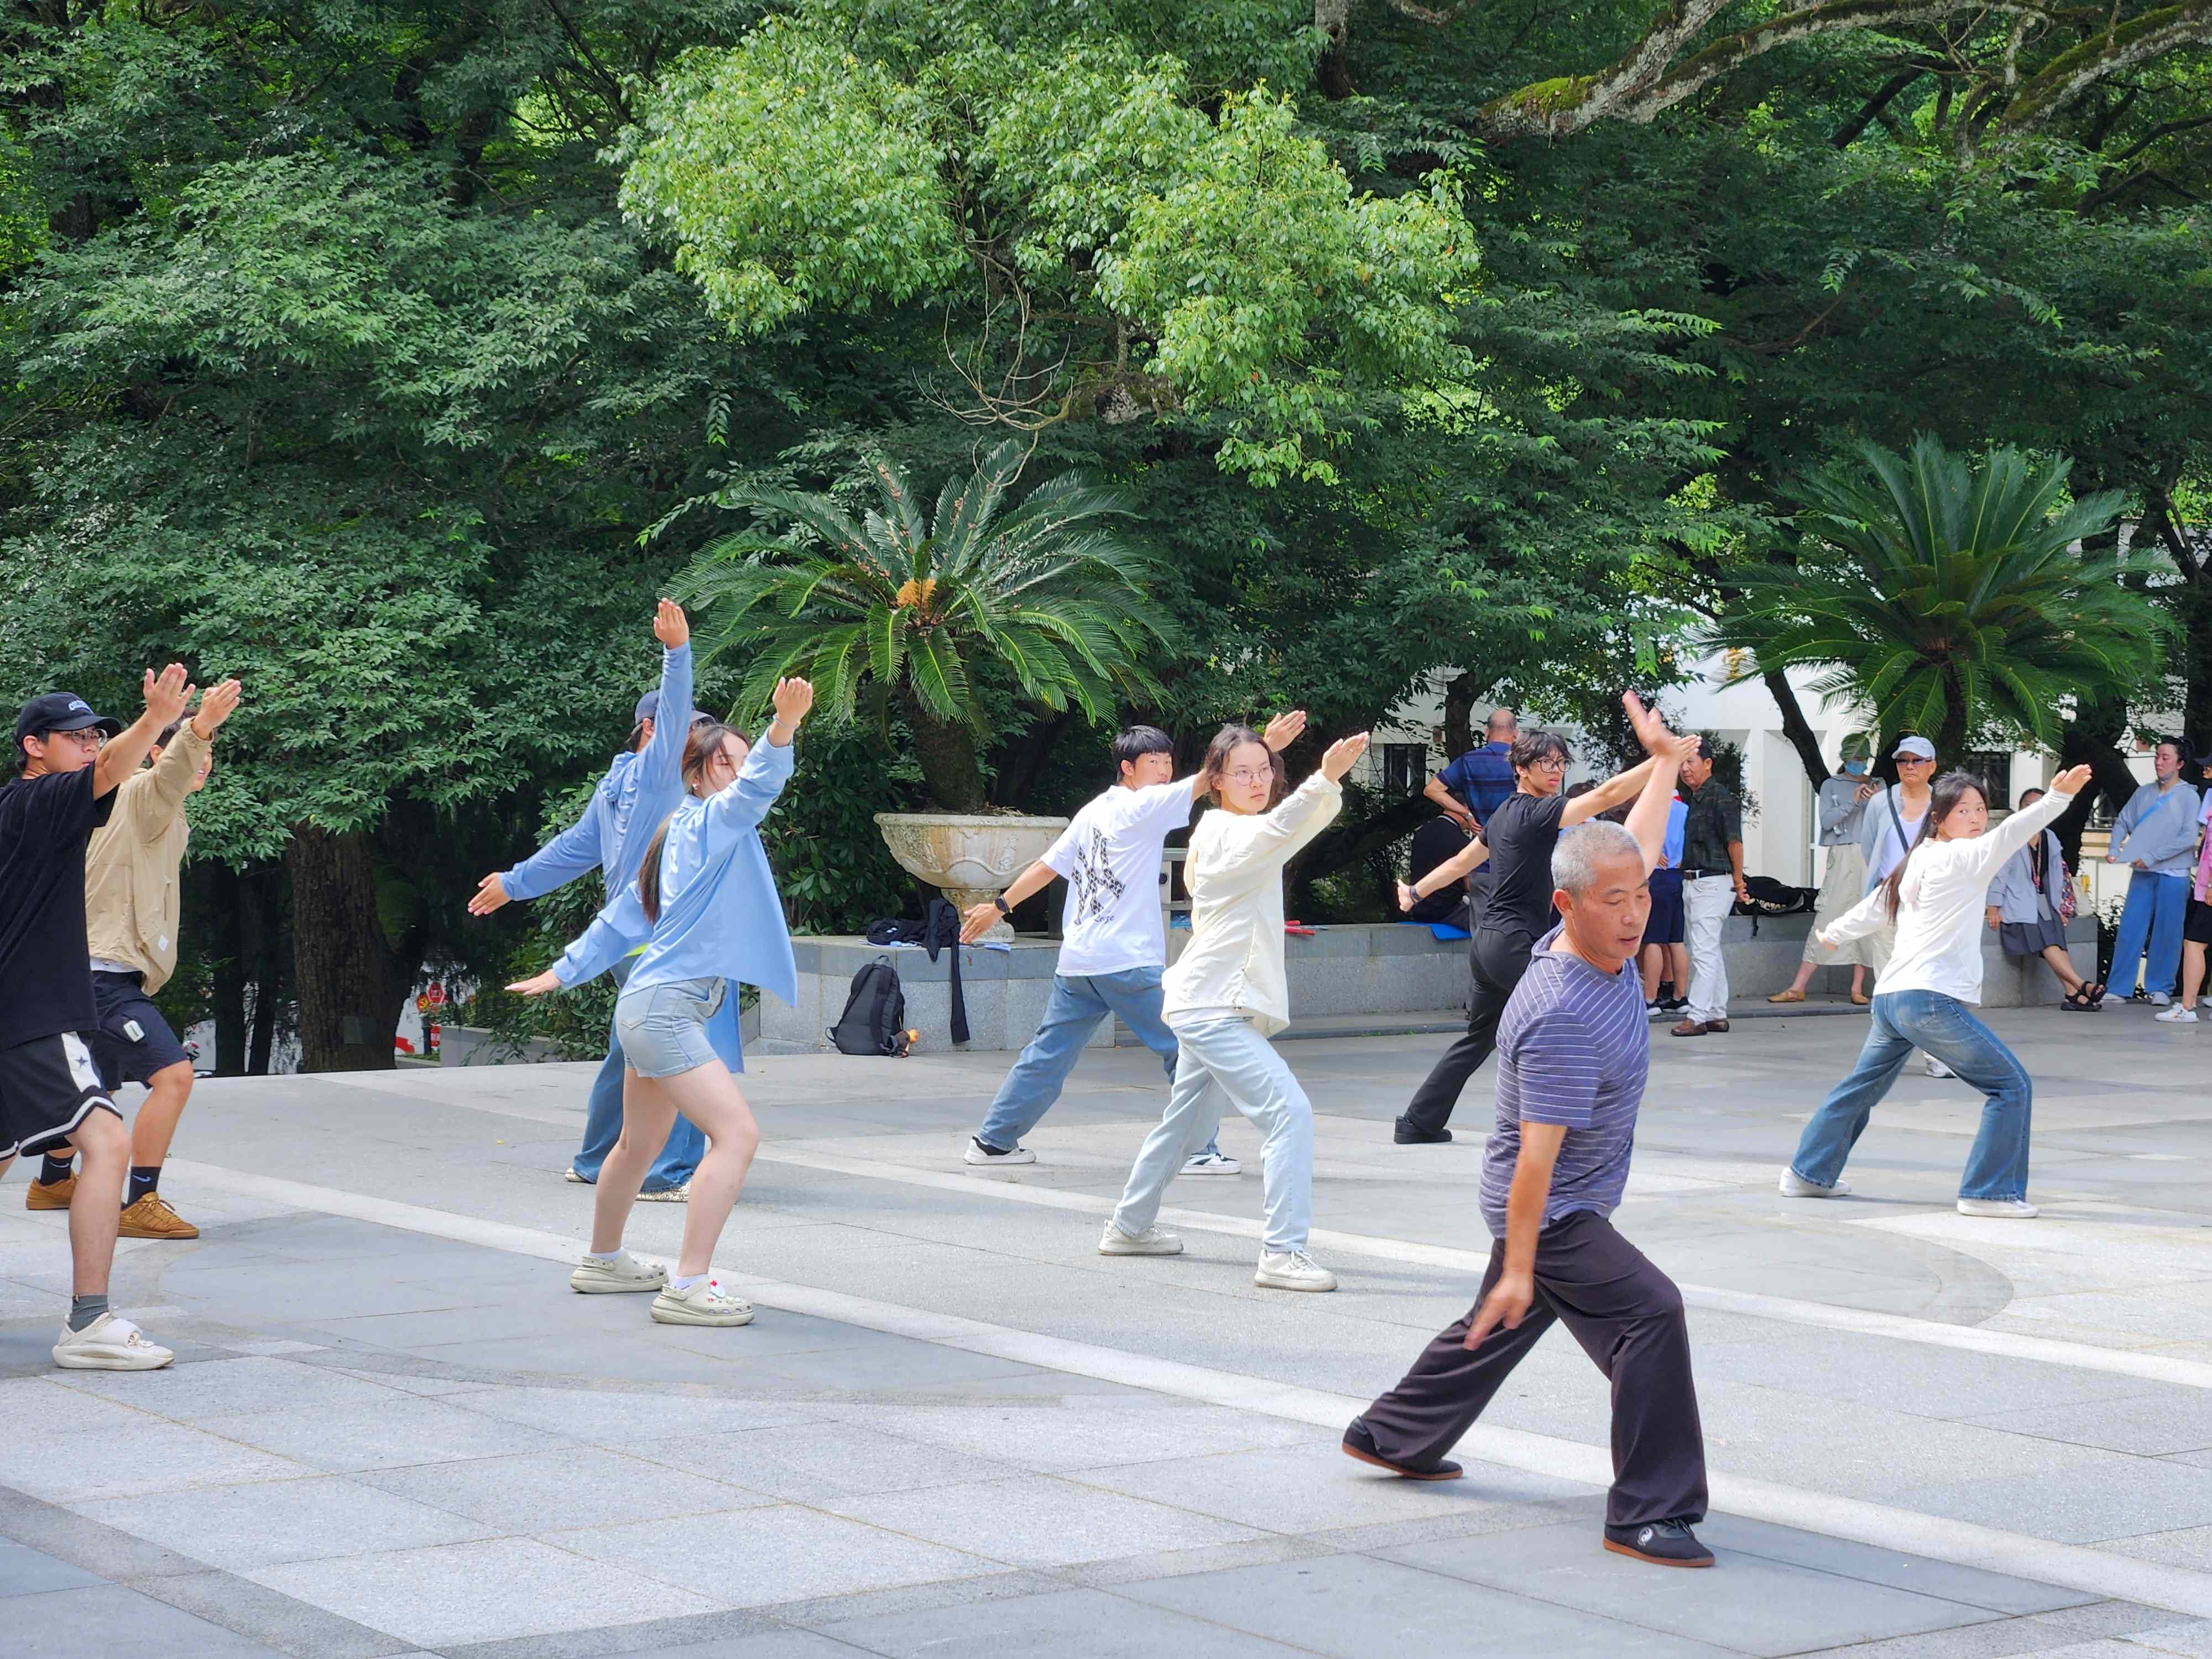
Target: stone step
(1451, 1021)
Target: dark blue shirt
(1482, 778)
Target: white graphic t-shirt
(1110, 855)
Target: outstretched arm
(1282, 732)
(1275, 836)
(1647, 820)
(617, 931)
(1651, 731)
(1986, 853)
(1464, 862)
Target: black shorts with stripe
(48, 1086)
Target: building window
(1995, 771)
(1405, 768)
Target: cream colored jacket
(1234, 961)
(131, 869)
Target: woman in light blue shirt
(2155, 834)
(705, 907)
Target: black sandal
(2095, 994)
(2079, 1002)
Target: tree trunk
(226, 893)
(341, 964)
(1459, 714)
(1797, 728)
(265, 912)
(949, 771)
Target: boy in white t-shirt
(1113, 949)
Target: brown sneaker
(51, 1194)
(152, 1218)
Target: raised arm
(1624, 786)
(744, 802)
(168, 781)
(166, 694)
(1282, 732)
(1986, 853)
(1647, 820)
(660, 762)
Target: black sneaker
(1359, 1443)
(1662, 1543)
(1406, 1135)
(1674, 1005)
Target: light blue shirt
(1670, 851)
(2160, 830)
(721, 917)
(639, 791)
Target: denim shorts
(663, 1027)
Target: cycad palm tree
(1950, 602)
(897, 606)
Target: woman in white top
(1935, 900)
(1226, 995)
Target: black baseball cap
(59, 711)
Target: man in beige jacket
(131, 888)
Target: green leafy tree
(926, 610)
(1945, 595)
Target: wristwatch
(999, 899)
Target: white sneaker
(705, 1303)
(1212, 1163)
(1793, 1185)
(572, 1175)
(1295, 1272)
(978, 1152)
(110, 1343)
(2177, 1015)
(1153, 1241)
(625, 1272)
(2158, 999)
(668, 1196)
(1937, 1068)
(2010, 1209)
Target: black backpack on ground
(874, 1020)
(1769, 897)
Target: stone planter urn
(969, 857)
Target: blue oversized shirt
(2160, 830)
(639, 791)
(1482, 778)
(721, 917)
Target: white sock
(681, 1282)
(615, 1255)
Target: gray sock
(83, 1309)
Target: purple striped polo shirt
(1573, 1049)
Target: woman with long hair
(704, 905)
(1227, 994)
(1926, 994)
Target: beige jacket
(1234, 961)
(131, 869)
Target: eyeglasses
(1247, 775)
(1915, 760)
(1549, 764)
(89, 737)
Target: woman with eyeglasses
(1227, 994)
(1518, 842)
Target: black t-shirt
(45, 968)
(1521, 834)
(1438, 840)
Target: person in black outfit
(51, 1097)
(1517, 842)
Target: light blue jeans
(603, 1124)
(2154, 908)
(1946, 1028)
(1072, 1013)
(1229, 1060)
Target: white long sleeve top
(1234, 961)
(1939, 906)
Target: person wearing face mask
(1842, 805)
(2155, 835)
(1925, 997)
(704, 907)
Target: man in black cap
(50, 1086)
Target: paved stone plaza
(954, 1429)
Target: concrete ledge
(1344, 980)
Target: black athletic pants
(1627, 1315)
(1499, 960)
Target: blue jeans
(1072, 1013)
(603, 1125)
(1946, 1028)
(1229, 1060)
(2155, 907)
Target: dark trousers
(1627, 1315)
(1499, 960)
